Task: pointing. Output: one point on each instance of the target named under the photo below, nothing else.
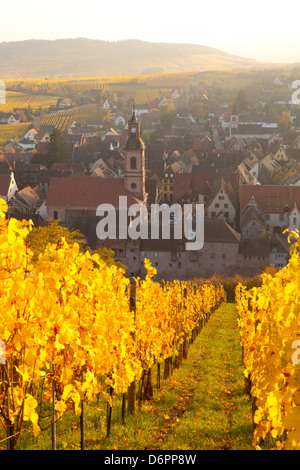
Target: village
(244, 166)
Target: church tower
(134, 152)
(234, 120)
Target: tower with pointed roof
(134, 153)
(234, 120)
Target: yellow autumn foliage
(269, 321)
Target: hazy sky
(212, 23)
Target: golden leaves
(269, 327)
(66, 321)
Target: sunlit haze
(262, 30)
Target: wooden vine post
(131, 396)
(185, 342)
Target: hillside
(91, 58)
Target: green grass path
(212, 410)
(202, 406)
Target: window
(223, 255)
(55, 215)
(213, 214)
(133, 163)
(217, 205)
(226, 205)
(212, 255)
(193, 256)
(133, 185)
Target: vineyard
(76, 332)
(83, 114)
(72, 87)
(26, 100)
(269, 320)
(74, 329)
(13, 131)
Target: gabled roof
(183, 182)
(4, 184)
(270, 198)
(87, 191)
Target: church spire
(133, 117)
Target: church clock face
(133, 129)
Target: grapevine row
(269, 321)
(68, 320)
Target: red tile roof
(271, 199)
(4, 184)
(185, 181)
(87, 191)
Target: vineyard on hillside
(270, 337)
(25, 100)
(83, 114)
(73, 329)
(71, 87)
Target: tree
(284, 119)
(168, 115)
(241, 101)
(40, 237)
(58, 150)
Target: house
(74, 201)
(253, 224)
(27, 144)
(189, 187)
(110, 134)
(8, 186)
(106, 105)
(101, 168)
(223, 203)
(25, 201)
(254, 256)
(42, 136)
(9, 118)
(31, 135)
(279, 251)
(175, 94)
(141, 109)
(120, 121)
(294, 216)
(219, 254)
(163, 102)
(63, 103)
(277, 205)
